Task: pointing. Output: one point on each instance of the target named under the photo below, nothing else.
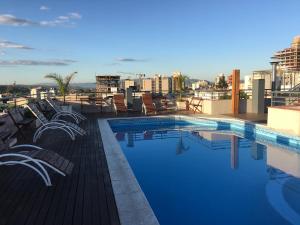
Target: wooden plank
(84, 197)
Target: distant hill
(73, 85)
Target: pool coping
(132, 204)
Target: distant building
(107, 83)
(39, 92)
(219, 77)
(166, 85)
(176, 81)
(157, 84)
(229, 80)
(289, 58)
(289, 64)
(248, 82)
(263, 74)
(200, 84)
(129, 83)
(147, 84)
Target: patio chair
(148, 105)
(35, 158)
(119, 104)
(196, 104)
(69, 128)
(60, 112)
(19, 120)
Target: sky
(200, 38)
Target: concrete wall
(215, 107)
(284, 119)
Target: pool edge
(132, 204)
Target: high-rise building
(166, 85)
(157, 84)
(147, 84)
(107, 83)
(289, 58)
(176, 81)
(129, 83)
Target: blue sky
(198, 38)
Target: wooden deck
(85, 197)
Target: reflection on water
(180, 148)
(270, 175)
(283, 187)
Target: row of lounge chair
(148, 105)
(35, 157)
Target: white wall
(284, 119)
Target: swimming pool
(213, 172)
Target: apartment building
(107, 83)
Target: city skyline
(199, 38)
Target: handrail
(285, 98)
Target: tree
(222, 84)
(62, 83)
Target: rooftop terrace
(84, 197)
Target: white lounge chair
(60, 112)
(70, 128)
(35, 158)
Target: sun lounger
(69, 128)
(60, 112)
(19, 120)
(33, 157)
(148, 105)
(195, 104)
(119, 103)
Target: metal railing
(285, 98)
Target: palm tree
(62, 83)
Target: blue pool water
(211, 175)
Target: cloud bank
(64, 20)
(44, 8)
(7, 19)
(9, 44)
(64, 62)
(130, 60)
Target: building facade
(157, 84)
(147, 84)
(129, 83)
(166, 85)
(107, 83)
(289, 58)
(176, 84)
(200, 84)
(265, 75)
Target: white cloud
(64, 62)
(9, 44)
(130, 60)
(44, 8)
(7, 19)
(74, 15)
(64, 20)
